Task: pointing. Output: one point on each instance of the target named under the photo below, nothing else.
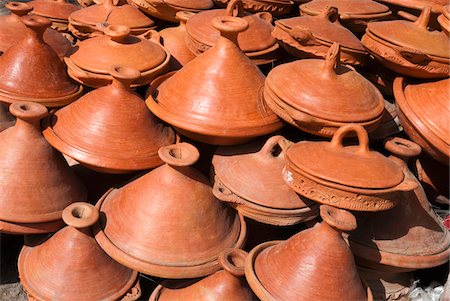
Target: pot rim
(30, 228)
(57, 101)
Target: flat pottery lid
(257, 37)
(36, 183)
(326, 89)
(324, 27)
(115, 130)
(56, 9)
(414, 37)
(118, 47)
(61, 267)
(191, 4)
(347, 8)
(315, 264)
(22, 76)
(189, 227)
(354, 166)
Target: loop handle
(363, 137)
(232, 260)
(338, 219)
(235, 6)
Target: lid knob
(331, 13)
(179, 154)
(332, 60)
(339, 219)
(232, 260)
(124, 76)
(184, 16)
(80, 215)
(230, 27)
(37, 24)
(19, 8)
(28, 113)
(118, 33)
(402, 148)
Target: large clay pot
(189, 227)
(25, 78)
(36, 183)
(126, 136)
(252, 182)
(275, 7)
(204, 100)
(57, 11)
(71, 266)
(315, 264)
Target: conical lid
(23, 77)
(315, 264)
(70, 265)
(118, 47)
(191, 4)
(326, 89)
(189, 227)
(55, 9)
(347, 8)
(126, 135)
(36, 183)
(413, 35)
(206, 95)
(257, 37)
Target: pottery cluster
(258, 150)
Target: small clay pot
(57, 11)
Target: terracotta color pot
(326, 95)
(189, 227)
(86, 3)
(6, 119)
(424, 113)
(275, 7)
(70, 265)
(126, 136)
(256, 41)
(409, 48)
(225, 284)
(117, 47)
(407, 237)
(91, 21)
(57, 11)
(444, 19)
(252, 182)
(354, 14)
(35, 183)
(312, 37)
(350, 177)
(203, 100)
(301, 267)
(174, 39)
(24, 78)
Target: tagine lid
(76, 252)
(56, 9)
(118, 47)
(436, 5)
(326, 89)
(364, 8)
(191, 4)
(413, 37)
(355, 166)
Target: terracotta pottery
(424, 113)
(351, 177)
(167, 9)
(91, 21)
(324, 96)
(275, 7)
(6, 119)
(434, 177)
(86, 3)
(57, 11)
(225, 284)
(126, 136)
(354, 14)
(70, 265)
(409, 48)
(252, 182)
(407, 237)
(189, 227)
(173, 39)
(36, 183)
(301, 267)
(117, 47)
(312, 37)
(204, 100)
(444, 19)
(12, 30)
(256, 41)
(401, 6)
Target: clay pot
(6, 119)
(174, 39)
(275, 7)
(424, 113)
(24, 78)
(256, 41)
(252, 182)
(407, 237)
(57, 11)
(354, 14)
(203, 100)
(350, 177)
(117, 47)
(444, 19)
(76, 265)
(225, 284)
(91, 21)
(411, 49)
(12, 30)
(302, 266)
(126, 136)
(36, 183)
(189, 227)
(326, 95)
(312, 37)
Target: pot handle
(402, 148)
(19, 8)
(235, 5)
(265, 16)
(304, 36)
(232, 260)
(271, 143)
(412, 55)
(134, 293)
(224, 194)
(407, 16)
(361, 133)
(80, 73)
(338, 219)
(151, 35)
